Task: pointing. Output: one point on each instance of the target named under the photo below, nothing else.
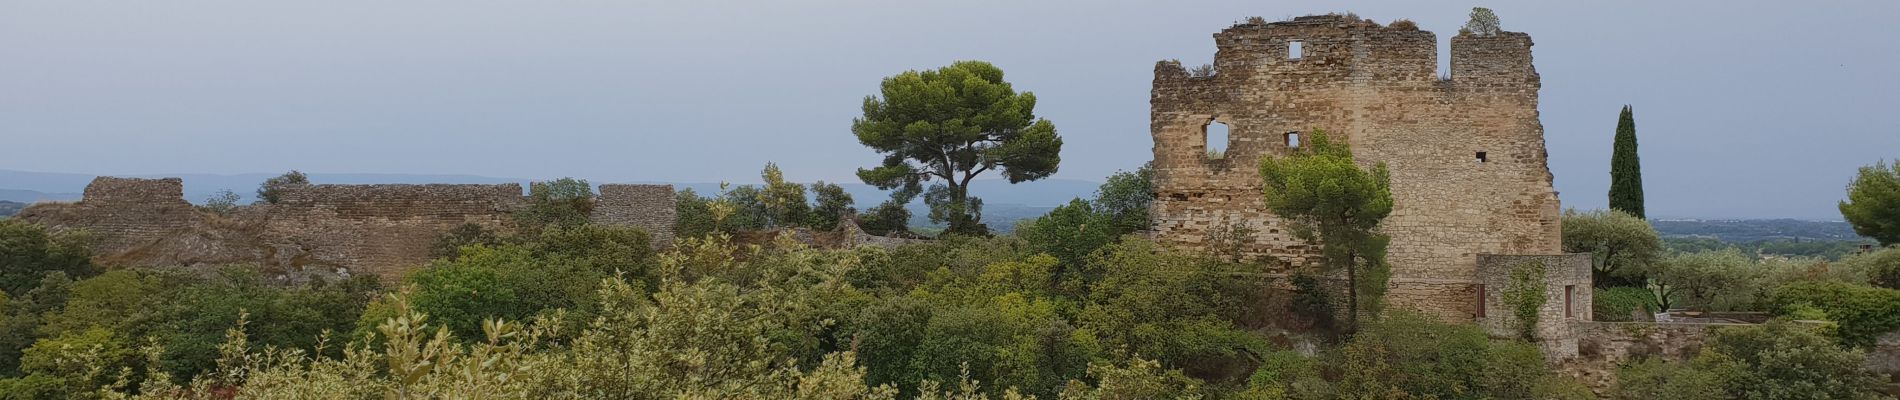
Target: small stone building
(1471, 187)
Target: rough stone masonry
(384, 230)
(1465, 151)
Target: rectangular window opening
(1481, 301)
(1292, 140)
(1482, 158)
(1568, 289)
(1295, 49)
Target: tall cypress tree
(1626, 170)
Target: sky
(1744, 109)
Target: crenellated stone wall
(384, 230)
(1465, 151)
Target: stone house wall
(1567, 293)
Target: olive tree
(1619, 244)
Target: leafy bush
(1619, 304)
(1070, 233)
(1881, 266)
(1863, 312)
(1413, 354)
(1778, 360)
(222, 202)
(28, 252)
(564, 202)
(1659, 379)
(272, 190)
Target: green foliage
(222, 202)
(1882, 266)
(1658, 379)
(1620, 304)
(1873, 203)
(783, 202)
(1184, 311)
(1330, 199)
(21, 318)
(1864, 313)
(1712, 280)
(72, 364)
(1821, 249)
(564, 202)
(272, 190)
(559, 269)
(693, 215)
(1778, 360)
(889, 218)
(1070, 233)
(1287, 375)
(1124, 197)
(1620, 244)
(1411, 355)
(1140, 379)
(1626, 167)
(28, 252)
(953, 124)
(831, 205)
(1483, 22)
(1526, 296)
(1313, 301)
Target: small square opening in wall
(1292, 140)
(1483, 158)
(1295, 49)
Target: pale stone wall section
(1376, 88)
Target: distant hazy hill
(8, 208)
(29, 196)
(1749, 230)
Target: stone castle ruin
(383, 230)
(1472, 192)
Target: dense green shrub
(1622, 303)
(1413, 354)
(1863, 312)
(1655, 378)
(28, 251)
(562, 202)
(1778, 360)
(1070, 232)
(1882, 266)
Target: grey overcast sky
(1744, 108)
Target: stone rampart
(384, 230)
(637, 205)
(122, 213)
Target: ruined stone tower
(1465, 151)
